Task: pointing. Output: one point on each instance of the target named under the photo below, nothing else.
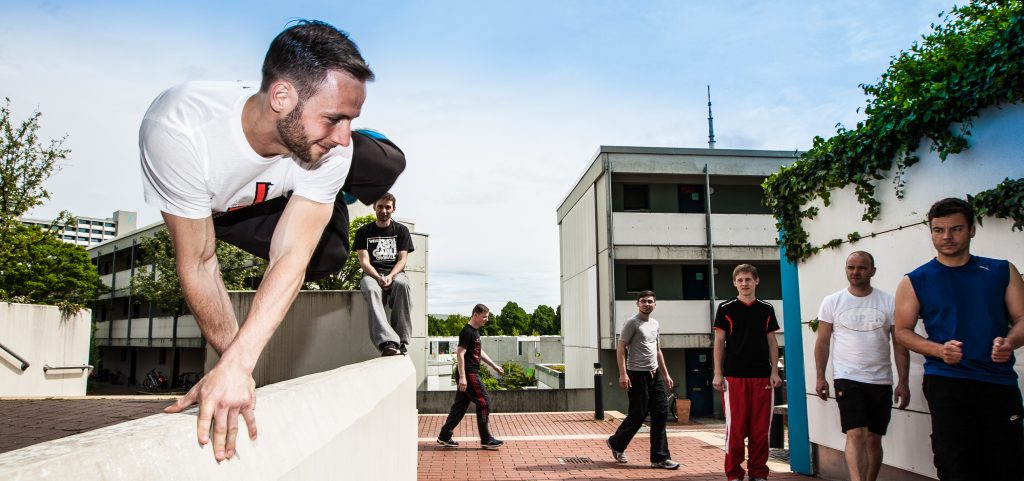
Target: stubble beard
(294, 136)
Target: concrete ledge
(354, 422)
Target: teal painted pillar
(796, 392)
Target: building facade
(675, 221)
(89, 231)
(134, 336)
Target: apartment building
(89, 231)
(675, 221)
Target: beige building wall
(55, 348)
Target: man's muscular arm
(201, 283)
(228, 389)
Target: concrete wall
(43, 337)
(355, 422)
(518, 401)
(994, 154)
(323, 330)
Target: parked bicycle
(155, 380)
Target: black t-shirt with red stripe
(469, 339)
(746, 328)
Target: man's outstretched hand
(223, 394)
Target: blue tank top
(968, 304)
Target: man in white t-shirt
(228, 149)
(859, 322)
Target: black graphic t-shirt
(383, 244)
(469, 339)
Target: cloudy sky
(498, 105)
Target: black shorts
(864, 405)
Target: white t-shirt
(860, 335)
(196, 159)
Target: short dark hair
(303, 53)
(480, 309)
(950, 206)
(744, 268)
(644, 294)
(388, 196)
(863, 253)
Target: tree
(542, 321)
(514, 320)
(349, 277)
(35, 266)
(45, 270)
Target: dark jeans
(977, 429)
(477, 394)
(646, 396)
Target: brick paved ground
(534, 442)
(24, 422)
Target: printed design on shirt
(385, 248)
(476, 350)
(861, 319)
(262, 189)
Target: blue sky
(499, 106)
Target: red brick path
(534, 442)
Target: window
(108, 224)
(636, 197)
(442, 347)
(638, 278)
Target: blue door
(699, 371)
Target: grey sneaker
(666, 464)
(758, 479)
(494, 443)
(448, 443)
(618, 455)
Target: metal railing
(24, 363)
(48, 368)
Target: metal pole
(711, 248)
(598, 397)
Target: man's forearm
(719, 355)
(914, 342)
(399, 264)
(274, 297)
(821, 352)
(902, 355)
(207, 298)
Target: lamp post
(598, 398)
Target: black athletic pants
(977, 430)
(647, 395)
(376, 164)
(477, 394)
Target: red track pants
(747, 403)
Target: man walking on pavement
(644, 376)
(857, 320)
(973, 310)
(471, 386)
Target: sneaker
(389, 349)
(492, 444)
(758, 479)
(448, 443)
(618, 455)
(666, 464)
